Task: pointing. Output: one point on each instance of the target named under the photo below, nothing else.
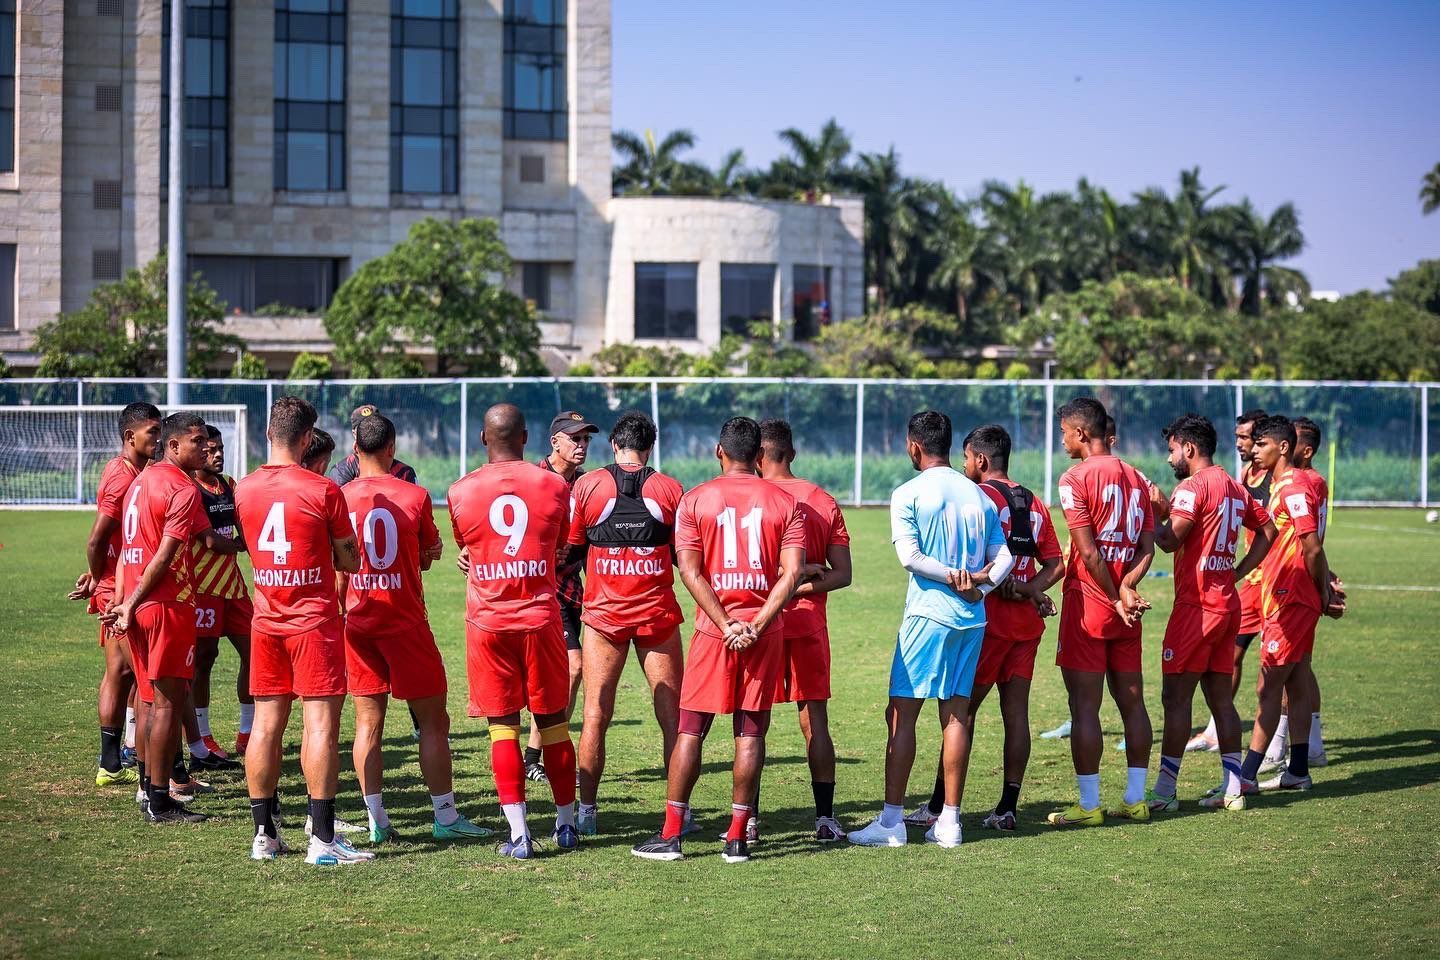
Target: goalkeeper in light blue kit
(948, 536)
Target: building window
(424, 96)
(7, 86)
(535, 104)
(812, 300)
(107, 96)
(535, 284)
(8, 284)
(665, 301)
(747, 294)
(310, 94)
(105, 265)
(270, 284)
(207, 94)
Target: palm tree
(1184, 232)
(1256, 244)
(1092, 235)
(731, 177)
(1430, 191)
(890, 220)
(815, 165)
(959, 245)
(649, 167)
(1019, 238)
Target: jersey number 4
(750, 523)
(272, 535)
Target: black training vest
(630, 523)
(1021, 538)
(220, 508)
(1260, 490)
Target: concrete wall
(709, 232)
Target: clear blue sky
(1335, 106)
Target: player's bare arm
(96, 549)
(120, 613)
(692, 574)
(347, 553)
(1313, 552)
(834, 574)
(1082, 548)
(792, 559)
(1259, 547)
(222, 545)
(1160, 504)
(429, 553)
(1135, 572)
(462, 560)
(1034, 589)
(1173, 532)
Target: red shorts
(405, 663)
(1200, 640)
(1003, 660)
(645, 636)
(510, 671)
(1250, 617)
(804, 668)
(1288, 635)
(162, 644)
(1082, 646)
(721, 680)
(218, 617)
(308, 664)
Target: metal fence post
(464, 428)
(80, 441)
(655, 416)
(859, 443)
(1049, 437)
(1239, 409)
(1425, 445)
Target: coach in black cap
(570, 435)
(349, 468)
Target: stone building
(318, 131)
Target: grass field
(1352, 868)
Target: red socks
(558, 753)
(674, 819)
(506, 764)
(739, 817)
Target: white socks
(247, 717)
(949, 818)
(564, 815)
(1135, 782)
(589, 809)
(515, 815)
(375, 807)
(1089, 784)
(444, 805)
(1210, 733)
(1169, 773)
(198, 750)
(130, 727)
(1317, 742)
(1280, 741)
(891, 816)
(1231, 764)
(202, 720)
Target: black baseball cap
(361, 412)
(571, 422)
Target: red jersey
(625, 586)
(510, 516)
(163, 502)
(1298, 504)
(1218, 506)
(393, 520)
(1018, 619)
(824, 528)
(115, 482)
(290, 517)
(1113, 499)
(739, 524)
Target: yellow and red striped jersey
(216, 575)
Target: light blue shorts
(934, 661)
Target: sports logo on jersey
(1169, 654)
(1273, 646)
(1183, 500)
(1296, 505)
(1067, 498)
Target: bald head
(504, 433)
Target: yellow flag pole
(1334, 442)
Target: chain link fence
(1384, 437)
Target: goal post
(53, 455)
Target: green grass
(1350, 869)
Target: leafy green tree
(1430, 191)
(962, 260)
(1419, 286)
(816, 165)
(650, 167)
(731, 177)
(1183, 234)
(1132, 326)
(248, 366)
(889, 344)
(1021, 241)
(1257, 243)
(121, 330)
(639, 360)
(439, 289)
(311, 366)
(1364, 337)
(894, 224)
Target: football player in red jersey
(1014, 619)
(1295, 590)
(155, 599)
(1256, 483)
(509, 516)
(1107, 508)
(1207, 511)
(389, 648)
(622, 517)
(298, 534)
(318, 452)
(740, 543)
(139, 436)
(805, 672)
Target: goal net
(55, 454)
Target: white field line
(1392, 587)
(1422, 531)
